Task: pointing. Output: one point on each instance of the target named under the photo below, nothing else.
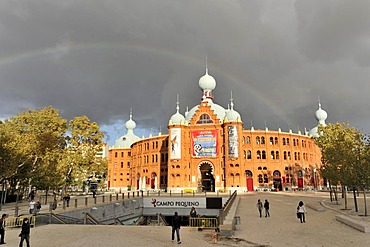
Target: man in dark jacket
(2, 228)
(176, 222)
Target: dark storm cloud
(100, 58)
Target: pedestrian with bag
(25, 233)
(301, 211)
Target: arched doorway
(276, 176)
(206, 177)
(153, 181)
(138, 181)
(300, 179)
(249, 176)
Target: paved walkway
(281, 229)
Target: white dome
(125, 141)
(130, 137)
(130, 124)
(218, 110)
(321, 115)
(233, 115)
(207, 82)
(177, 118)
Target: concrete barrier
(316, 207)
(359, 225)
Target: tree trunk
(344, 191)
(365, 206)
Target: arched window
(271, 140)
(276, 173)
(258, 154)
(248, 173)
(263, 155)
(231, 165)
(265, 178)
(236, 165)
(277, 155)
(276, 141)
(248, 140)
(249, 154)
(262, 140)
(284, 143)
(272, 155)
(259, 168)
(245, 154)
(289, 156)
(258, 140)
(260, 179)
(287, 141)
(204, 119)
(285, 155)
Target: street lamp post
(314, 179)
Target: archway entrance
(206, 178)
(249, 176)
(277, 180)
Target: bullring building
(207, 149)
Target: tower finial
(177, 103)
(231, 100)
(130, 112)
(318, 98)
(206, 65)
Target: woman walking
(25, 233)
(301, 210)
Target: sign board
(204, 143)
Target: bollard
(116, 197)
(76, 203)
(110, 197)
(123, 196)
(103, 198)
(85, 201)
(95, 200)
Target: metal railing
(204, 222)
(18, 221)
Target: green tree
(340, 145)
(84, 142)
(33, 137)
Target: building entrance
(206, 178)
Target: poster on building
(175, 141)
(204, 143)
(233, 141)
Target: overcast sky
(100, 58)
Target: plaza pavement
(280, 230)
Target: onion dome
(177, 118)
(125, 141)
(321, 116)
(207, 82)
(232, 115)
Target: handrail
(162, 219)
(58, 218)
(91, 218)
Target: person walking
(2, 229)
(301, 211)
(32, 206)
(266, 205)
(25, 233)
(260, 207)
(176, 227)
